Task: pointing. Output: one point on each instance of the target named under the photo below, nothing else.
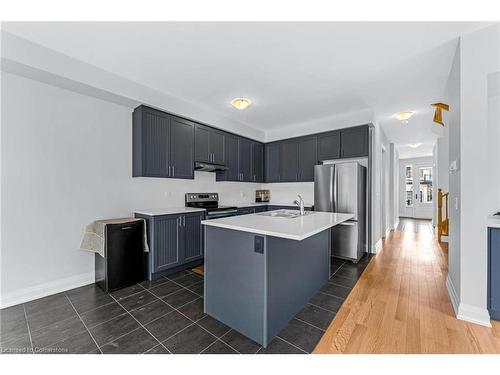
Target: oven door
(220, 214)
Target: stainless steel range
(210, 202)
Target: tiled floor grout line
(147, 351)
(322, 308)
(218, 338)
(29, 330)
(142, 325)
(312, 325)
(208, 347)
(79, 317)
(194, 321)
(295, 346)
(191, 289)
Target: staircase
(443, 223)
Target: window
(409, 186)
(425, 185)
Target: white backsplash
(286, 192)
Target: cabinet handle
(173, 170)
(169, 170)
(179, 221)
(184, 221)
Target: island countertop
(298, 228)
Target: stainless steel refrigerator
(341, 187)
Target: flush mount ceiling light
(403, 115)
(241, 103)
(414, 145)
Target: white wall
(378, 227)
(394, 188)
(480, 57)
(494, 143)
(452, 144)
(66, 161)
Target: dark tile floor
(160, 317)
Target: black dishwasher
(124, 261)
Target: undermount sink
(285, 213)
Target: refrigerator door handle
(335, 189)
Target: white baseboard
(474, 314)
(47, 289)
(387, 231)
(378, 246)
(396, 224)
(469, 313)
(453, 294)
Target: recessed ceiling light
(414, 145)
(403, 115)
(241, 103)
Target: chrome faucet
(300, 204)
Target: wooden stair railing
(443, 224)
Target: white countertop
(298, 228)
(167, 211)
(494, 221)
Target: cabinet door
(494, 273)
(202, 143)
(231, 154)
(166, 248)
(155, 143)
(217, 147)
(329, 146)
(308, 158)
(246, 211)
(258, 162)
(181, 148)
(192, 236)
(245, 160)
(272, 162)
(354, 142)
(289, 161)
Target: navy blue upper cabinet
(289, 161)
(258, 162)
(163, 145)
(245, 160)
(354, 142)
(209, 145)
(151, 140)
(231, 152)
(308, 158)
(272, 162)
(181, 148)
(329, 146)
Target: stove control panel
(202, 197)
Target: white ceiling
(293, 72)
(424, 149)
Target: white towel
(94, 237)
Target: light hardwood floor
(401, 305)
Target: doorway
(417, 195)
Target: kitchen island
(261, 269)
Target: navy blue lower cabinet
(175, 242)
(494, 273)
(246, 210)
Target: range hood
(208, 167)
